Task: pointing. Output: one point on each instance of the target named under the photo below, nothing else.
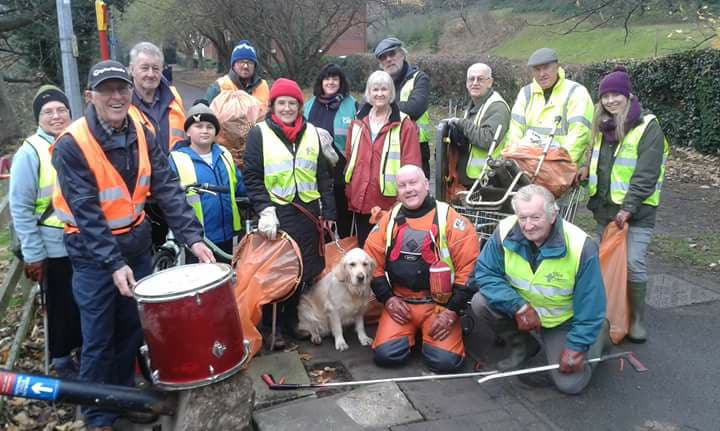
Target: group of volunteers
(90, 197)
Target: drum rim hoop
(140, 298)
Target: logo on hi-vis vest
(459, 224)
(553, 276)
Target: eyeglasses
(60, 112)
(109, 91)
(478, 79)
(246, 63)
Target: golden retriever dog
(339, 298)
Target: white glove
(268, 223)
(327, 146)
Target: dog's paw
(315, 339)
(365, 340)
(341, 345)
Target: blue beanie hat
(243, 51)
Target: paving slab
(668, 291)
(371, 407)
(279, 364)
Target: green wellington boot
(636, 294)
(522, 347)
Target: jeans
(638, 240)
(111, 330)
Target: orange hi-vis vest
(122, 212)
(176, 119)
(261, 92)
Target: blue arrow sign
(39, 388)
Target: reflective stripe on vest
(261, 91)
(187, 174)
(47, 177)
(423, 123)
(442, 210)
(287, 174)
(549, 289)
(389, 158)
(539, 116)
(623, 168)
(121, 211)
(477, 157)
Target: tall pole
(101, 14)
(68, 53)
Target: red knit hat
(286, 87)
(617, 81)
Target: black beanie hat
(47, 94)
(201, 112)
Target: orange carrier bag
(557, 172)
(237, 113)
(267, 272)
(613, 263)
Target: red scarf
(290, 132)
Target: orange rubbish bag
(557, 172)
(267, 272)
(613, 264)
(237, 112)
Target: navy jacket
(217, 209)
(158, 113)
(589, 302)
(95, 245)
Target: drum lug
(198, 301)
(155, 377)
(218, 349)
(212, 370)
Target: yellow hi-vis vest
(286, 174)
(389, 161)
(549, 290)
(47, 177)
(531, 113)
(626, 155)
(477, 157)
(187, 174)
(442, 210)
(423, 123)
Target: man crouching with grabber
(425, 253)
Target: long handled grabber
(630, 356)
(281, 386)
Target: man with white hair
(159, 102)
(540, 285)
(474, 133)
(425, 252)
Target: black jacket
(95, 245)
(419, 99)
(292, 221)
(158, 116)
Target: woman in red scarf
(285, 169)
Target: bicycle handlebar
(207, 187)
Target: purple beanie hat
(617, 81)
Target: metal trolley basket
(489, 199)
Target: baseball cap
(105, 70)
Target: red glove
(621, 218)
(35, 271)
(527, 318)
(571, 361)
(398, 309)
(441, 326)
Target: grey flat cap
(387, 44)
(543, 56)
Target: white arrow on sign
(38, 388)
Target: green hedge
(683, 89)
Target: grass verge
(702, 253)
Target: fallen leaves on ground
(322, 375)
(687, 165)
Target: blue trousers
(110, 328)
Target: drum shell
(195, 338)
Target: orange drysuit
(393, 341)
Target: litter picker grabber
(630, 356)
(281, 386)
(486, 375)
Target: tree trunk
(10, 133)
